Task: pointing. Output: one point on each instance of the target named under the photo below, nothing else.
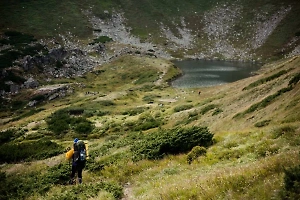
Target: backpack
(81, 151)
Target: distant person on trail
(78, 155)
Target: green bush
(101, 39)
(134, 111)
(182, 107)
(173, 141)
(60, 122)
(36, 150)
(106, 103)
(7, 135)
(262, 123)
(292, 183)
(208, 108)
(84, 126)
(195, 153)
(146, 122)
(150, 98)
(295, 79)
(217, 111)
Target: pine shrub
(292, 183)
(195, 153)
(174, 141)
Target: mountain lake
(205, 73)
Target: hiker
(78, 156)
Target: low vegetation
(151, 141)
(292, 183)
(264, 80)
(61, 122)
(101, 39)
(174, 141)
(14, 152)
(195, 153)
(183, 107)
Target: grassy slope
(246, 162)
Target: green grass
(183, 107)
(101, 39)
(265, 80)
(265, 102)
(33, 17)
(208, 108)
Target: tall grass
(261, 179)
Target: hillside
(255, 123)
(66, 39)
(100, 71)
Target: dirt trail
(127, 192)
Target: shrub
(6, 136)
(83, 126)
(217, 111)
(61, 121)
(101, 39)
(195, 153)
(208, 108)
(182, 107)
(150, 98)
(134, 111)
(295, 79)
(146, 122)
(292, 183)
(174, 141)
(41, 149)
(106, 103)
(262, 123)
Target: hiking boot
(72, 181)
(79, 180)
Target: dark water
(202, 73)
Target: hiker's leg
(80, 174)
(80, 168)
(74, 169)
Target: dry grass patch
(261, 179)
